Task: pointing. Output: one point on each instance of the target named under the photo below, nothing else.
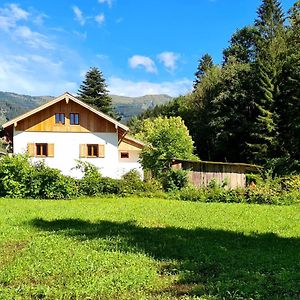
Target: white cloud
(26, 75)
(100, 19)
(122, 87)
(32, 38)
(9, 16)
(78, 15)
(168, 59)
(109, 2)
(144, 61)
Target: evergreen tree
(269, 61)
(205, 63)
(93, 91)
(290, 85)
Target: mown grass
(130, 248)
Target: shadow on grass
(225, 264)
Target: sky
(141, 46)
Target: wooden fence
(201, 173)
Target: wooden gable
(44, 120)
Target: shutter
(101, 150)
(82, 150)
(50, 150)
(31, 149)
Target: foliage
(166, 139)
(277, 191)
(174, 180)
(93, 91)
(251, 100)
(242, 46)
(205, 63)
(20, 178)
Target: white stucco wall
(127, 164)
(66, 150)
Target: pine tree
(290, 86)
(93, 91)
(205, 63)
(269, 61)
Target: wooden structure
(201, 173)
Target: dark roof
(246, 166)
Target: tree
(289, 111)
(242, 45)
(269, 61)
(166, 139)
(205, 63)
(93, 91)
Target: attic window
(124, 155)
(59, 118)
(74, 118)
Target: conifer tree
(269, 61)
(93, 91)
(290, 86)
(205, 63)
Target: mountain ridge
(13, 104)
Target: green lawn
(148, 249)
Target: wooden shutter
(82, 150)
(101, 150)
(31, 149)
(50, 150)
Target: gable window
(92, 150)
(74, 119)
(59, 118)
(124, 154)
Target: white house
(66, 130)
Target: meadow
(140, 248)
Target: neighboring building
(202, 173)
(66, 130)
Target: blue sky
(141, 46)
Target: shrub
(20, 178)
(49, 183)
(90, 184)
(174, 180)
(14, 173)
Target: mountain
(12, 104)
(128, 107)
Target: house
(66, 130)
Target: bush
(90, 184)
(49, 183)
(173, 180)
(20, 178)
(14, 174)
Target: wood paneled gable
(44, 120)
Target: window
(92, 151)
(41, 149)
(74, 119)
(124, 155)
(59, 118)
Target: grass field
(148, 249)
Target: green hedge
(20, 178)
